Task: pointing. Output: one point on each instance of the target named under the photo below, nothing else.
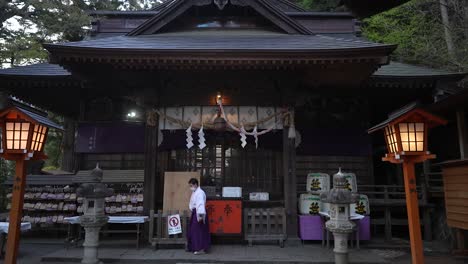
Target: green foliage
(49, 21)
(319, 5)
(6, 169)
(53, 147)
(21, 47)
(417, 29)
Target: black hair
(193, 181)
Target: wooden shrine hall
(301, 87)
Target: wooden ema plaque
(225, 216)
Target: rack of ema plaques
(311, 224)
(313, 212)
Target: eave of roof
(122, 13)
(451, 104)
(43, 70)
(320, 14)
(397, 71)
(222, 42)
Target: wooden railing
(435, 184)
(265, 225)
(158, 231)
(391, 198)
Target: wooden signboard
(176, 190)
(455, 175)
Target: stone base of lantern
(341, 247)
(92, 226)
(90, 245)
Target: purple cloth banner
(115, 137)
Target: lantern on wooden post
(24, 133)
(406, 133)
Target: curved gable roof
(266, 8)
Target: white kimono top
(198, 201)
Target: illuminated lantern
(24, 133)
(406, 138)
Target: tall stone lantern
(94, 193)
(339, 224)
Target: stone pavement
(34, 253)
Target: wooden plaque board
(176, 190)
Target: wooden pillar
(16, 212)
(462, 133)
(151, 187)
(412, 207)
(68, 146)
(290, 185)
(463, 143)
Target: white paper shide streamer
(201, 138)
(243, 137)
(255, 134)
(189, 137)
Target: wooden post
(462, 134)
(286, 179)
(68, 143)
(412, 206)
(290, 186)
(152, 190)
(16, 212)
(463, 143)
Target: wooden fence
(389, 199)
(158, 231)
(265, 225)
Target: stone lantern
(340, 198)
(94, 193)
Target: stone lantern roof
(339, 194)
(92, 187)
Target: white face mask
(193, 188)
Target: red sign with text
(225, 216)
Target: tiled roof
(286, 6)
(40, 69)
(402, 70)
(66, 179)
(223, 41)
(41, 119)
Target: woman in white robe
(198, 234)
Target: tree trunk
(446, 25)
(465, 21)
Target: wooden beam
(462, 133)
